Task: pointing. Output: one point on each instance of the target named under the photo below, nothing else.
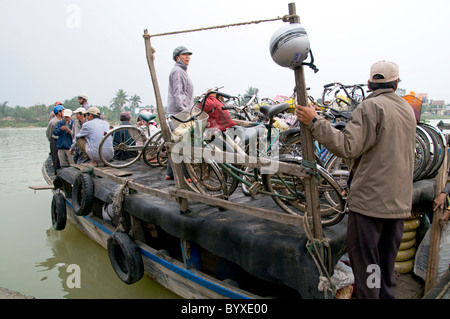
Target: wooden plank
(435, 238)
(38, 188)
(239, 207)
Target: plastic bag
(421, 260)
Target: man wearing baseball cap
(88, 139)
(379, 138)
(80, 114)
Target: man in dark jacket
(380, 138)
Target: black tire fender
(59, 215)
(125, 257)
(82, 194)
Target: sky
(52, 50)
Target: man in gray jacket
(181, 88)
(379, 137)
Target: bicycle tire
(205, 177)
(128, 143)
(339, 168)
(420, 151)
(293, 146)
(439, 149)
(150, 151)
(427, 141)
(331, 202)
(162, 155)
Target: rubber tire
(59, 214)
(411, 224)
(404, 267)
(404, 245)
(83, 194)
(125, 258)
(409, 235)
(405, 255)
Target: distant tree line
(39, 114)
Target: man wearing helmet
(181, 88)
(379, 138)
(53, 139)
(82, 99)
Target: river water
(34, 258)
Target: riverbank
(9, 294)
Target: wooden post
(177, 169)
(435, 237)
(312, 194)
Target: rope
(311, 168)
(313, 246)
(118, 197)
(284, 18)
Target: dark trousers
(54, 153)
(372, 245)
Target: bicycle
(353, 95)
(288, 191)
(129, 141)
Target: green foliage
(38, 115)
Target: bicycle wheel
(150, 151)
(127, 145)
(293, 146)
(289, 193)
(162, 155)
(339, 168)
(205, 177)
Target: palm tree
(119, 101)
(134, 101)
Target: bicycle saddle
(147, 117)
(272, 110)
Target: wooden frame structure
(180, 194)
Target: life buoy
(59, 215)
(404, 255)
(125, 258)
(82, 194)
(404, 267)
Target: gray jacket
(380, 138)
(181, 90)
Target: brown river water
(35, 259)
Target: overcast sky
(55, 49)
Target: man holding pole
(379, 137)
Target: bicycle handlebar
(193, 117)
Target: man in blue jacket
(63, 130)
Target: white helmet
(289, 45)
